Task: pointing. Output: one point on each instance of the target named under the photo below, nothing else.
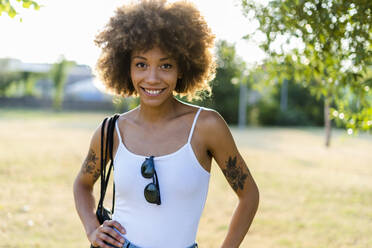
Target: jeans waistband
(128, 244)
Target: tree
(9, 8)
(289, 104)
(58, 74)
(327, 46)
(7, 79)
(225, 91)
(17, 81)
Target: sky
(68, 28)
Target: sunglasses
(152, 191)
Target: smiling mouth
(152, 92)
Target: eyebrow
(140, 57)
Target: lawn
(311, 197)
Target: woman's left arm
(221, 145)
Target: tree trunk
(242, 104)
(284, 96)
(59, 76)
(327, 122)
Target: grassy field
(311, 197)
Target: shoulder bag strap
(111, 143)
(108, 151)
(103, 165)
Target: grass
(311, 197)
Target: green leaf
(12, 13)
(36, 6)
(26, 4)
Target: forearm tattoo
(90, 165)
(234, 174)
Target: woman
(155, 50)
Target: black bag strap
(104, 159)
(103, 163)
(111, 144)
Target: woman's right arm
(84, 198)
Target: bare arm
(221, 145)
(83, 191)
(84, 198)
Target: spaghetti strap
(193, 124)
(118, 131)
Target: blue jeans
(128, 244)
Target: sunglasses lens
(151, 193)
(147, 168)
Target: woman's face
(154, 75)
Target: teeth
(153, 92)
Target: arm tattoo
(89, 165)
(234, 174)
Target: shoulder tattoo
(234, 174)
(89, 165)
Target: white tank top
(183, 184)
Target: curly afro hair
(177, 28)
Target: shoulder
(211, 121)
(127, 117)
(212, 128)
(100, 131)
(97, 134)
(214, 132)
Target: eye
(166, 66)
(140, 65)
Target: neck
(158, 114)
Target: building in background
(80, 91)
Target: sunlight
(68, 28)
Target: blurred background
(293, 81)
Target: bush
(303, 108)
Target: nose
(152, 75)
